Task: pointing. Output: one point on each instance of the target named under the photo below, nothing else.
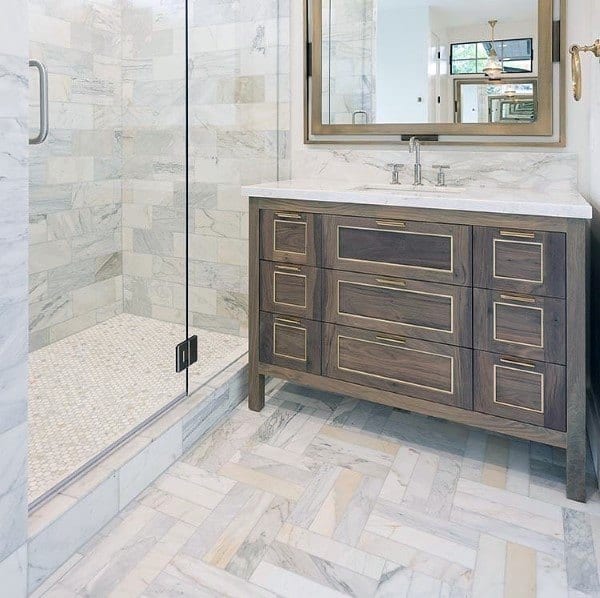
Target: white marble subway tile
(56, 543)
(13, 573)
(136, 475)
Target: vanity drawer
(288, 236)
(288, 342)
(426, 310)
(521, 325)
(522, 261)
(290, 289)
(528, 391)
(417, 368)
(417, 250)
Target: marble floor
(321, 495)
(88, 390)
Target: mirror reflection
(429, 61)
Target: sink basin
(410, 188)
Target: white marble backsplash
(479, 169)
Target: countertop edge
(450, 203)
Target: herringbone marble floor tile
(321, 495)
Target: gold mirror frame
(540, 130)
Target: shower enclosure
(132, 253)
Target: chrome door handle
(44, 106)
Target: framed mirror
(435, 69)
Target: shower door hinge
(556, 39)
(309, 59)
(186, 354)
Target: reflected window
(516, 56)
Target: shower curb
(65, 523)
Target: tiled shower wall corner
(107, 188)
(75, 200)
(239, 106)
(13, 298)
(348, 67)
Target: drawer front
(289, 236)
(426, 310)
(424, 370)
(528, 391)
(530, 262)
(293, 343)
(290, 289)
(521, 325)
(416, 250)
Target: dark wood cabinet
(290, 237)
(475, 318)
(520, 325)
(290, 289)
(425, 310)
(393, 247)
(431, 371)
(294, 343)
(521, 261)
(529, 391)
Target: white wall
(402, 62)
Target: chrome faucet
(414, 146)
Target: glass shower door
(107, 230)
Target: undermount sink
(410, 188)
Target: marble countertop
(563, 204)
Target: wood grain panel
(422, 369)
(289, 237)
(290, 342)
(523, 325)
(416, 250)
(290, 289)
(430, 311)
(522, 261)
(527, 391)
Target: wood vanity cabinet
(475, 318)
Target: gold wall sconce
(575, 51)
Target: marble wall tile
(13, 573)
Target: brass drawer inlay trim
(401, 348)
(540, 245)
(283, 323)
(520, 298)
(508, 342)
(289, 215)
(403, 232)
(391, 223)
(275, 274)
(542, 408)
(304, 224)
(375, 286)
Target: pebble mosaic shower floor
(88, 390)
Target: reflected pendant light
(493, 66)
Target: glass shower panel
(237, 137)
(107, 232)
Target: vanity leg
(256, 381)
(256, 392)
(577, 331)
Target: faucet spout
(414, 146)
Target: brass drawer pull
(391, 223)
(288, 268)
(523, 364)
(521, 298)
(289, 216)
(391, 339)
(294, 321)
(517, 234)
(391, 282)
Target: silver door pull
(44, 122)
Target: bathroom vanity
(467, 305)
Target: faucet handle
(395, 168)
(441, 177)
